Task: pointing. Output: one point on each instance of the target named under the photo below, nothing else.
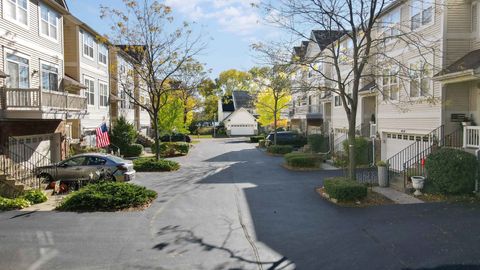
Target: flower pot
(418, 182)
(382, 176)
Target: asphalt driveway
(233, 207)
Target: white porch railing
(471, 136)
(34, 98)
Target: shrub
(205, 131)
(261, 143)
(182, 147)
(303, 160)
(82, 150)
(345, 190)
(134, 150)
(13, 204)
(35, 196)
(152, 165)
(280, 149)
(382, 163)
(318, 143)
(361, 150)
(123, 134)
(256, 139)
(171, 149)
(451, 171)
(107, 196)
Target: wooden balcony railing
(37, 99)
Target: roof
(227, 104)
(368, 87)
(133, 51)
(326, 37)
(301, 50)
(228, 118)
(70, 82)
(470, 61)
(242, 99)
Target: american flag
(102, 136)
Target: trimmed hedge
(171, 149)
(345, 190)
(318, 143)
(107, 196)
(451, 171)
(303, 160)
(152, 165)
(256, 139)
(361, 150)
(134, 150)
(279, 149)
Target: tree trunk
(157, 139)
(351, 149)
(275, 122)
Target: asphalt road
(232, 207)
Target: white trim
(57, 15)
(97, 71)
(27, 26)
(22, 55)
(83, 33)
(41, 77)
(32, 45)
(99, 46)
(422, 26)
(86, 77)
(99, 94)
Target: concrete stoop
(397, 196)
(10, 188)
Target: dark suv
(286, 137)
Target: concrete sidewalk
(396, 196)
(50, 205)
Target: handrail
(29, 148)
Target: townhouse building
(420, 90)
(36, 99)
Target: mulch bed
(372, 199)
(449, 198)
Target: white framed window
(49, 76)
(18, 69)
(421, 13)
(337, 101)
(102, 54)
(420, 80)
(390, 23)
(390, 84)
(88, 44)
(48, 23)
(103, 93)
(90, 90)
(16, 11)
(474, 21)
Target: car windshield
(116, 159)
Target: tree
(209, 93)
(275, 85)
(171, 116)
(231, 80)
(160, 45)
(357, 45)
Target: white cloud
(234, 16)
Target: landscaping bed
(153, 165)
(29, 198)
(372, 199)
(108, 197)
(279, 150)
(299, 161)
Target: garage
(241, 123)
(242, 130)
(393, 143)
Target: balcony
(471, 137)
(307, 112)
(37, 103)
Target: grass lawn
(201, 136)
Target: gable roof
(239, 111)
(326, 37)
(242, 99)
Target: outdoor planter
(418, 182)
(382, 175)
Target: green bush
(182, 147)
(134, 150)
(35, 196)
(13, 204)
(205, 131)
(361, 150)
(280, 149)
(261, 143)
(171, 149)
(152, 165)
(318, 143)
(299, 141)
(256, 139)
(74, 150)
(344, 190)
(303, 160)
(123, 135)
(451, 171)
(107, 196)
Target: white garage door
(242, 130)
(396, 142)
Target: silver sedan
(89, 166)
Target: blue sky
(230, 26)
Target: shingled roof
(326, 37)
(242, 99)
(470, 61)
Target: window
(103, 94)
(17, 10)
(90, 91)
(49, 75)
(88, 45)
(102, 54)
(474, 17)
(48, 22)
(338, 101)
(390, 84)
(420, 83)
(18, 69)
(421, 12)
(77, 161)
(390, 24)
